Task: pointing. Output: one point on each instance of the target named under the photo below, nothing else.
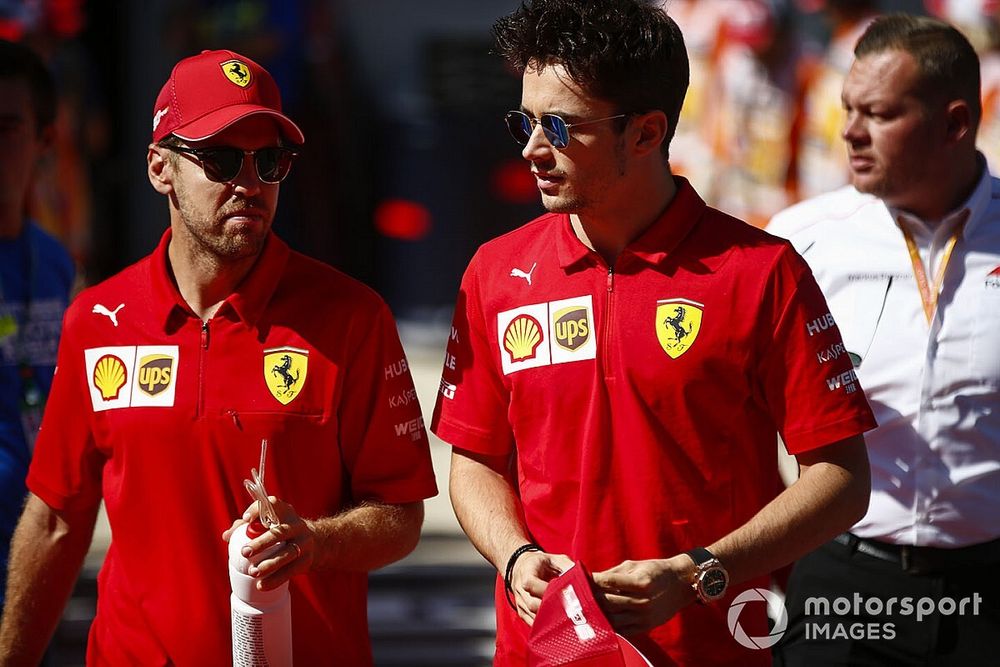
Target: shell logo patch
(678, 322)
(285, 370)
(522, 338)
(132, 376)
(237, 72)
(109, 376)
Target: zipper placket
(608, 316)
(202, 363)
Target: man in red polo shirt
(170, 375)
(619, 369)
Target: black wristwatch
(710, 578)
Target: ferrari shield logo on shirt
(285, 371)
(237, 72)
(678, 322)
(131, 376)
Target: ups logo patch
(154, 373)
(571, 327)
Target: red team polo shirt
(163, 418)
(643, 401)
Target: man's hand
(641, 595)
(531, 576)
(295, 558)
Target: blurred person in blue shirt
(36, 276)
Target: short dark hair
(948, 64)
(628, 52)
(17, 61)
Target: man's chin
(241, 247)
(868, 186)
(561, 204)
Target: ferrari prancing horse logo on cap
(285, 372)
(678, 322)
(237, 72)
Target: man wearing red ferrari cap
(172, 373)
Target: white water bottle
(262, 620)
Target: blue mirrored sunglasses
(521, 125)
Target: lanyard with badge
(928, 293)
(32, 400)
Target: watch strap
(700, 555)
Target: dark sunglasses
(223, 164)
(521, 125)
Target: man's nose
(538, 145)
(247, 181)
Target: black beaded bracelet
(508, 587)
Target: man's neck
(609, 231)
(203, 280)
(953, 190)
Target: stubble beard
(560, 204)
(576, 202)
(229, 245)
(222, 239)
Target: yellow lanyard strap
(929, 296)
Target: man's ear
(959, 117)
(652, 131)
(159, 170)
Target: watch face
(713, 582)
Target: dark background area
(407, 167)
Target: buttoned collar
(655, 244)
(247, 301)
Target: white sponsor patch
(540, 334)
(131, 376)
(154, 380)
(571, 329)
(524, 337)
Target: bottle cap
(256, 528)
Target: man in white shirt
(908, 257)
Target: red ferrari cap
(571, 629)
(208, 92)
